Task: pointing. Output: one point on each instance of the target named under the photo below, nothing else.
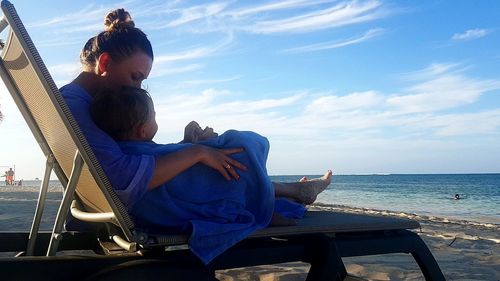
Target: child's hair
(118, 112)
(120, 39)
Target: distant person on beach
(164, 186)
(457, 196)
(10, 177)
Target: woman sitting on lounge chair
(216, 219)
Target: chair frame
(323, 246)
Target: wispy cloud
(59, 42)
(433, 70)
(90, 18)
(339, 15)
(171, 69)
(336, 44)
(63, 73)
(277, 6)
(195, 13)
(211, 81)
(267, 18)
(194, 53)
(353, 101)
(487, 122)
(448, 88)
(470, 34)
(179, 62)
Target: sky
(359, 87)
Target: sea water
(426, 195)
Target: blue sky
(353, 86)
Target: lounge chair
(321, 238)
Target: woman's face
(129, 72)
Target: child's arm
(170, 165)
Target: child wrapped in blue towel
(216, 201)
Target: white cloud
(276, 6)
(210, 81)
(470, 34)
(354, 101)
(260, 105)
(89, 14)
(336, 44)
(170, 69)
(433, 70)
(487, 122)
(64, 69)
(267, 18)
(311, 117)
(445, 88)
(339, 15)
(196, 13)
(194, 53)
(190, 54)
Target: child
(218, 209)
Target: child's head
(125, 115)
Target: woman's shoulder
(74, 90)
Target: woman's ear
(103, 64)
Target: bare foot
(303, 179)
(279, 220)
(310, 189)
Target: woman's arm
(170, 165)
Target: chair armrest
(91, 217)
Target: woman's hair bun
(118, 19)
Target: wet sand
(464, 250)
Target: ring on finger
(227, 166)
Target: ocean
(429, 195)
(424, 195)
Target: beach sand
(464, 251)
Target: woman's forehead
(140, 62)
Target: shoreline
(54, 188)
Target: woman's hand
(219, 160)
(170, 165)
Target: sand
(464, 251)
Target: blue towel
(216, 213)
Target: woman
(122, 56)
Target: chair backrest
(51, 122)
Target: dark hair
(120, 39)
(118, 112)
